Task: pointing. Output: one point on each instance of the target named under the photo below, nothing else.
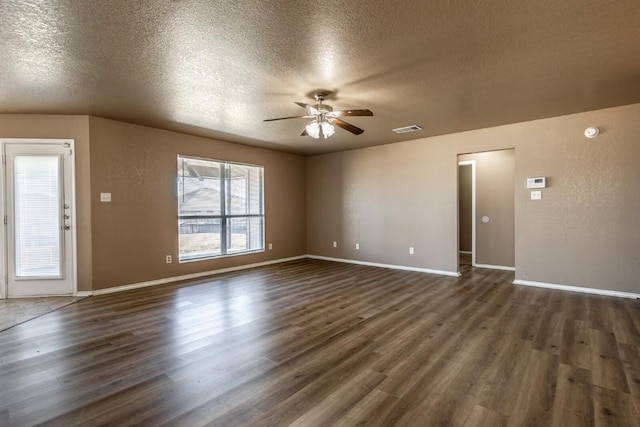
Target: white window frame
(224, 216)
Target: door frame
(4, 287)
(471, 163)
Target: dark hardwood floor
(316, 343)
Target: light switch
(536, 195)
(105, 197)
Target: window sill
(206, 258)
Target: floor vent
(406, 129)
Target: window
(220, 208)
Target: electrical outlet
(410, 251)
(270, 246)
(105, 197)
(536, 195)
(357, 245)
(169, 259)
(335, 244)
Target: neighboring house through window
(220, 208)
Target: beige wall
(583, 232)
(138, 166)
(494, 199)
(465, 208)
(125, 241)
(386, 199)
(73, 127)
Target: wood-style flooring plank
(483, 417)
(549, 336)
(573, 403)
(535, 404)
(613, 409)
(369, 411)
(575, 349)
(504, 377)
(607, 369)
(630, 357)
(623, 326)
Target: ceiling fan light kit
(317, 129)
(325, 118)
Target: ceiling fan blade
(310, 108)
(347, 126)
(290, 117)
(350, 113)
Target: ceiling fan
(324, 118)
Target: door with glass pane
(38, 219)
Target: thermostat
(539, 182)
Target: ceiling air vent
(406, 129)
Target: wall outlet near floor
(410, 251)
(270, 246)
(357, 245)
(335, 244)
(169, 259)
(105, 197)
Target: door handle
(66, 227)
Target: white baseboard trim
(495, 267)
(530, 283)
(392, 266)
(166, 280)
(605, 292)
(465, 252)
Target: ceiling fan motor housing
(324, 116)
(323, 108)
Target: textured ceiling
(218, 68)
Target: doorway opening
(466, 215)
(486, 229)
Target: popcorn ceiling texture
(218, 68)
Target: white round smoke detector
(591, 132)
